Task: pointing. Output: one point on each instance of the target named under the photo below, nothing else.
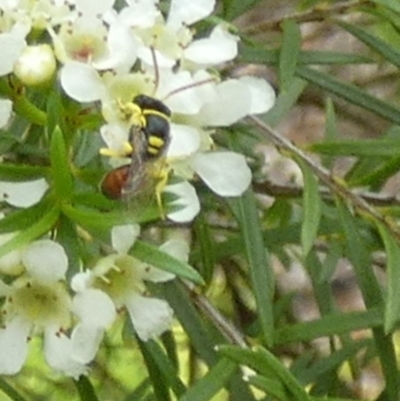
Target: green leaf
(285, 101)
(329, 325)
(85, 389)
(270, 386)
(206, 251)
(392, 305)
(350, 93)
(331, 363)
(153, 256)
(192, 323)
(361, 261)
(169, 374)
(215, 379)
(7, 389)
(160, 387)
(234, 8)
(62, 178)
(18, 173)
(261, 275)
(389, 52)
(258, 55)
(311, 209)
(22, 219)
(260, 359)
(288, 55)
(98, 219)
(363, 147)
(39, 228)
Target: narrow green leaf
(285, 101)
(24, 218)
(192, 323)
(331, 363)
(289, 52)
(234, 8)
(350, 93)
(153, 256)
(98, 219)
(269, 386)
(261, 276)
(364, 147)
(166, 368)
(22, 172)
(7, 389)
(392, 305)
(329, 325)
(205, 388)
(160, 387)
(206, 252)
(42, 226)
(389, 52)
(85, 389)
(266, 363)
(62, 178)
(261, 55)
(372, 295)
(311, 209)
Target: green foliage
(242, 331)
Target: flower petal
(45, 260)
(123, 237)
(187, 202)
(58, 353)
(81, 82)
(189, 12)
(5, 112)
(150, 316)
(13, 346)
(177, 248)
(94, 307)
(226, 173)
(86, 340)
(262, 94)
(185, 140)
(219, 47)
(231, 104)
(23, 194)
(11, 46)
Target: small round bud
(36, 65)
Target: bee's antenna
(156, 70)
(189, 86)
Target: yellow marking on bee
(155, 113)
(156, 142)
(126, 150)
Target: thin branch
(296, 191)
(228, 330)
(336, 185)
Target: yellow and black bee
(149, 140)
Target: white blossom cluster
(37, 301)
(108, 55)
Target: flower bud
(36, 65)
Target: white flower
(38, 302)
(23, 194)
(11, 45)
(120, 279)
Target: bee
(147, 172)
(149, 140)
